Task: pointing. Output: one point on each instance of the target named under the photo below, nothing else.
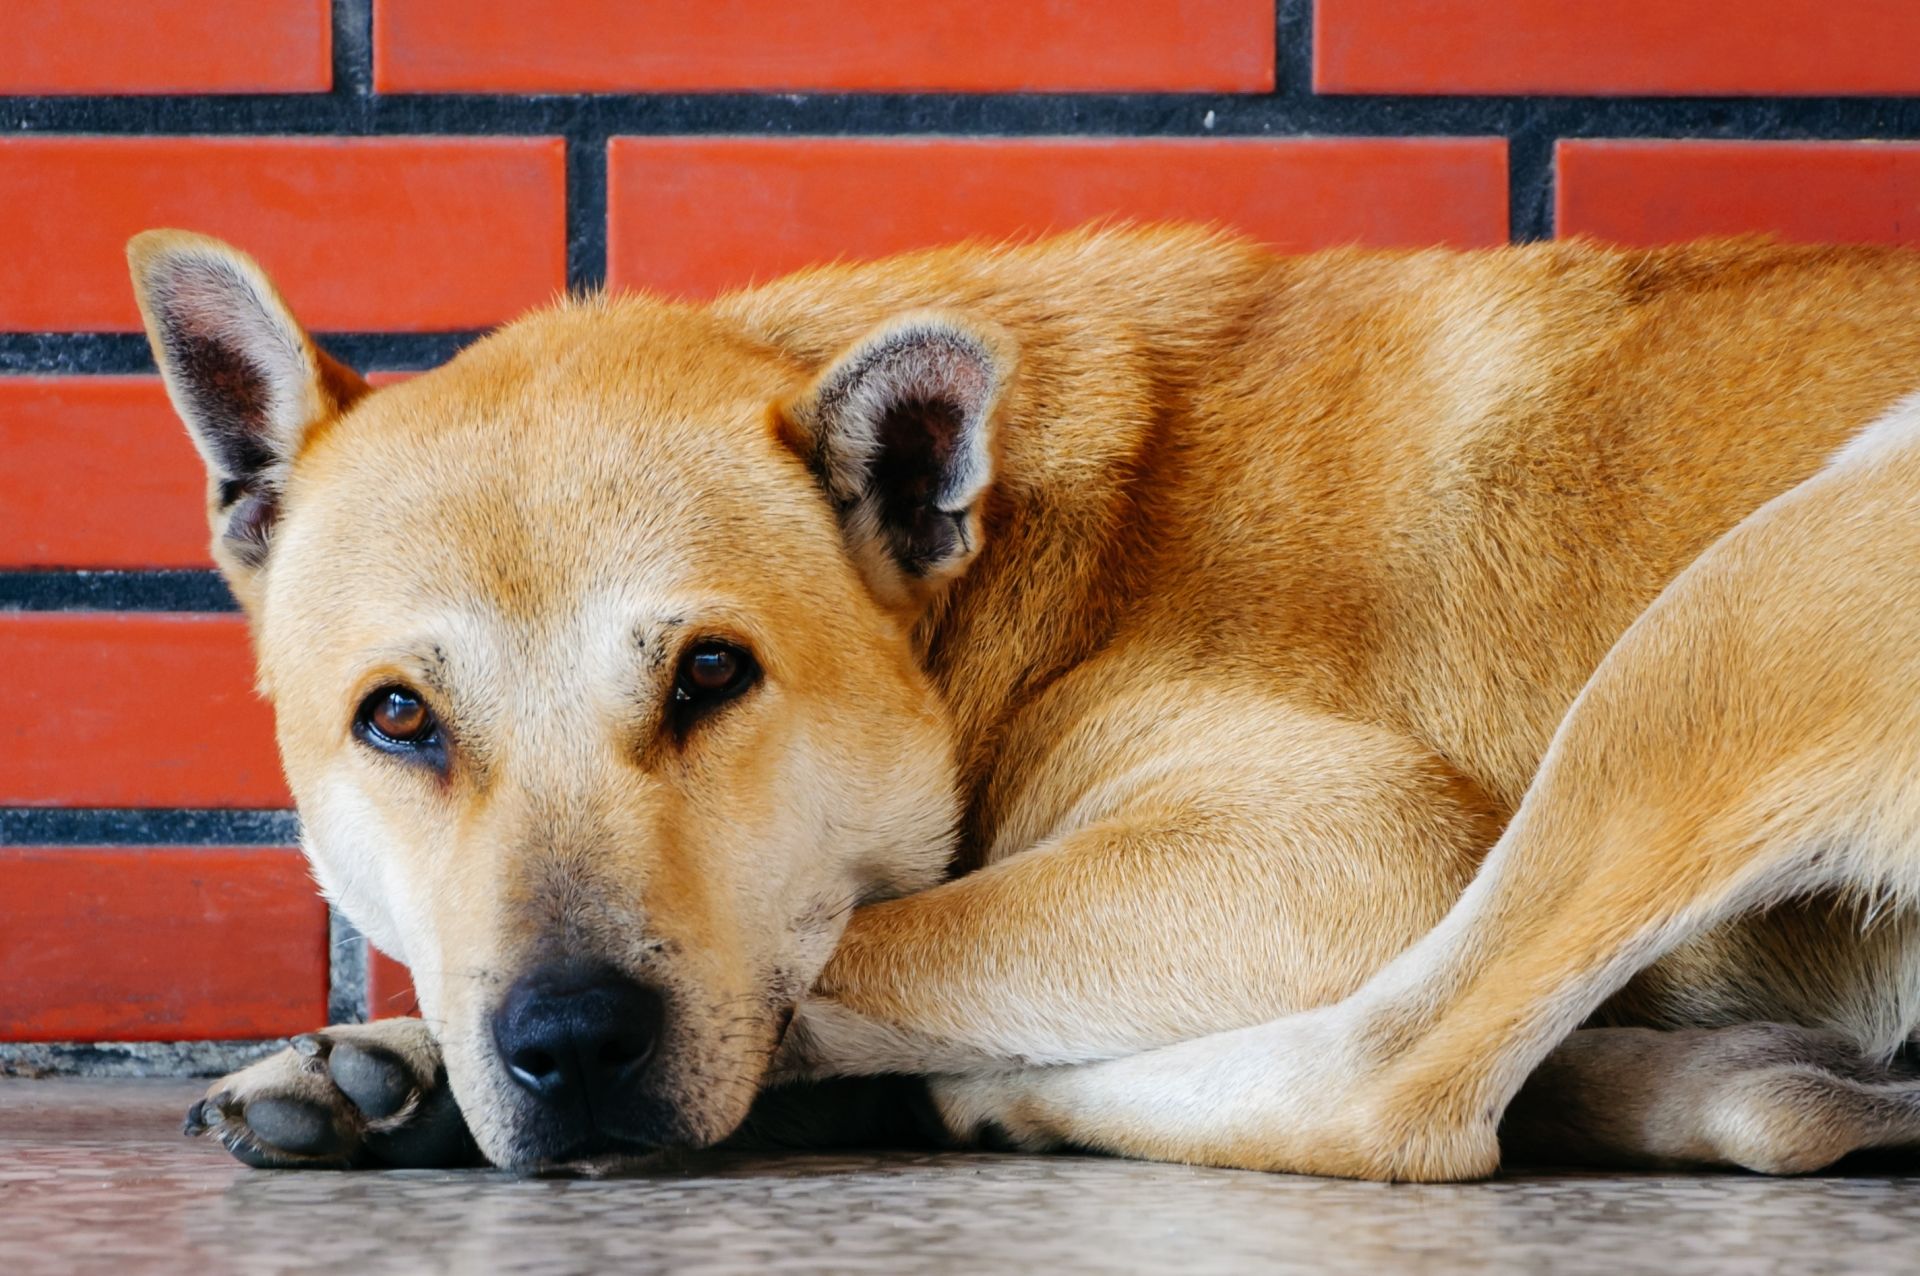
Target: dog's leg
(1777, 1098)
(351, 1096)
(1217, 893)
(1769, 1097)
(1756, 734)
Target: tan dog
(641, 672)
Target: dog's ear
(899, 430)
(245, 378)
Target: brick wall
(414, 171)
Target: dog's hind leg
(1754, 736)
(371, 1095)
(1773, 1097)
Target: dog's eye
(397, 719)
(712, 671)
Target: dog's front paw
(359, 1096)
(995, 1112)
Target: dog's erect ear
(247, 380)
(900, 432)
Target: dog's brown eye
(712, 667)
(711, 671)
(396, 719)
(399, 715)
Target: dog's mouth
(592, 1073)
(644, 1130)
(575, 1143)
(601, 1156)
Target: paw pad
(359, 1095)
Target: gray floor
(95, 1178)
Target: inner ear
(243, 375)
(900, 433)
(221, 370)
(914, 456)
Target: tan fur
(1288, 572)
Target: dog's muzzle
(583, 1041)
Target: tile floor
(94, 1177)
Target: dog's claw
(307, 1045)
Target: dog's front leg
(1194, 901)
(829, 1039)
(354, 1096)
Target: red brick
(166, 46)
(1655, 192)
(159, 943)
(481, 46)
(1617, 47)
(129, 709)
(405, 233)
(389, 988)
(97, 472)
(694, 215)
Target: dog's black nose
(579, 1037)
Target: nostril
(535, 1069)
(625, 1050)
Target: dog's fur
(1222, 619)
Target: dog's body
(1215, 610)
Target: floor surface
(94, 1177)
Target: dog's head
(592, 658)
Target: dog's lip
(599, 1154)
(780, 1033)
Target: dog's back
(1424, 488)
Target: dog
(1339, 714)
